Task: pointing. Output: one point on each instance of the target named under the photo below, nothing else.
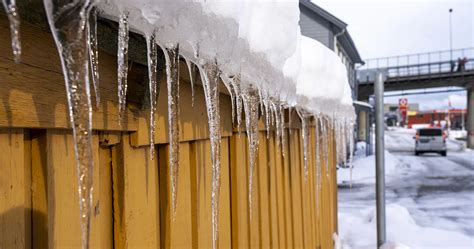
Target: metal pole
(379, 159)
(450, 34)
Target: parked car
(430, 140)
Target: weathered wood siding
(131, 207)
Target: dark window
(431, 132)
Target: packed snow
(429, 197)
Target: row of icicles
(74, 28)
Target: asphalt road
(438, 191)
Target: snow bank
(259, 40)
(359, 231)
(364, 169)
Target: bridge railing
(419, 65)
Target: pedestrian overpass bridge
(418, 71)
(451, 68)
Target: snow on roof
(258, 39)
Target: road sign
(403, 108)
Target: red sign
(402, 108)
(403, 103)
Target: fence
(38, 185)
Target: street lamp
(451, 34)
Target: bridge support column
(470, 117)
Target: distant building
(322, 26)
(455, 119)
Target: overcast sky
(396, 27)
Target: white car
(430, 140)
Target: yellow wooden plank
(103, 212)
(136, 202)
(15, 198)
(201, 181)
(239, 189)
(280, 188)
(275, 226)
(263, 192)
(39, 190)
(295, 167)
(176, 228)
(287, 182)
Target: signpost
(403, 109)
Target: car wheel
(443, 153)
(417, 153)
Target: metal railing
(419, 65)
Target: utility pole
(451, 35)
(379, 159)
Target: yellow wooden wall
(131, 207)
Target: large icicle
(251, 100)
(152, 77)
(210, 75)
(14, 19)
(94, 52)
(192, 73)
(238, 100)
(228, 84)
(122, 62)
(317, 170)
(68, 24)
(305, 119)
(172, 76)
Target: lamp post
(451, 35)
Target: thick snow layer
(322, 84)
(258, 39)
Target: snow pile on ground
(359, 230)
(364, 169)
(260, 40)
(457, 134)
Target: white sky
(396, 27)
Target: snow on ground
(429, 198)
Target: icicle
(277, 125)
(122, 57)
(152, 58)
(68, 23)
(251, 98)
(318, 138)
(228, 85)
(210, 81)
(317, 169)
(282, 127)
(94, 53)
(192, 72)
(305, 135)
(351, 151)
(238, 100)
(266, 109)
(14, 19)
(344, 142)
(172, 73)
(325, 134)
